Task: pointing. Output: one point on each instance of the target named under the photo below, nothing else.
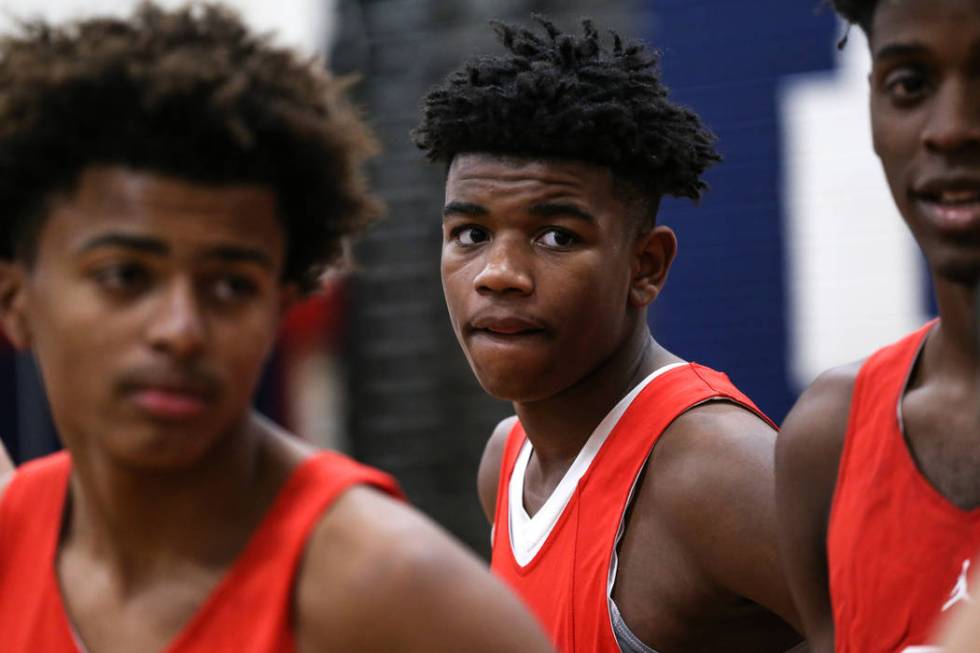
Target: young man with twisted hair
(631, 496)
(878, 465)
(170, 184)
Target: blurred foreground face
(151, 305)
(925, 110)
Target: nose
(954, 123)
(506, 268)
(178, 326)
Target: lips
(952, 203)
(171, 397)
(170, 404)
(506, 325)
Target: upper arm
(379, 576)
(713, 478)
(489, 475)
(808, 453)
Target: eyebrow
(541, 210)
(235, 254)
(551, 209)
(906, 50)
(126, 241)
(463, 208)
(148, 245)
(899, 50)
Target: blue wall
(724, 304)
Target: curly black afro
(562, 96)
(191, 93)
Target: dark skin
(925, 110)
(548, 270)
(151, 305)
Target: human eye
(555, 238)
(122, 277)
(470, 235)
(232, 288)
(906, 84)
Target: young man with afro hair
(878, 465)
(631, 495)
(170, 183)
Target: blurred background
(795, 261)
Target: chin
(961, 271)
(519, 387)
(160, 451)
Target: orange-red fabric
(248, 612)
(565, 584)
(896, 548)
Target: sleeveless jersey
(248, 612)
(565, 584)
(898, 552)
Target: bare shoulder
(710, 481)
(814, 429)
(710, 485)
(808, 453)
(489, 475)
(378, 575)
(714, 453)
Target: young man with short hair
(878, 465)
(631, 495)
(170, 184)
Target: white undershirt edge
(528, 534)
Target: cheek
(456, 286)
(895, 140)
(597, 301)
(69, 340)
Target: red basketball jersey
(248, 612)
(898, 552)
(565, 584)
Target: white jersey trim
(528, 534)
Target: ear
(653, 254)
(13, 300)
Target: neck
(559, 426)
(956, 349)
(141, 522)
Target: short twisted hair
(563, 96)
(190, 93)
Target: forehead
(924, 22)
(497, 178)
(173, 210)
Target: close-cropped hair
(562, 96)
(859, 12)
(190, 93)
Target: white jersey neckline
(528, 534)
